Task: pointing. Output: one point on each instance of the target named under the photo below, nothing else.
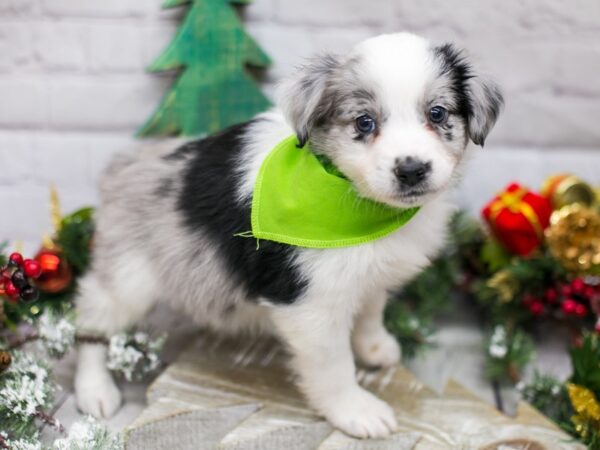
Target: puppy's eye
(438, 114)
(365, 124)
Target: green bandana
(297, 201)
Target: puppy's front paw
(378, 349)
(360, 414)
(97, 394)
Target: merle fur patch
(209, 204)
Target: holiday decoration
(36, 309)
(5, 360)
(520, 275)
(574, 238)
(56, 275)
(566, 189)
(518, 217)
(134, 355)
(573, 403)
(17, 277)
(215, 88)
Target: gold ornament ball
(566, 189)
(574, 238)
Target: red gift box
(518, 218)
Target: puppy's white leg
(319, 338)
(106, 311)
(373, 345)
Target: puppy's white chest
(383, 264)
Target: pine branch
(49, 420)
(22, 340)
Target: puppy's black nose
(412, 171)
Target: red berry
(569, 306)
(578, 285)
(566, 291)
(16, 258)
(589, 292)
(32, 268)
(528, 300)
(536, 308)
(597, 327)
(580, 310)
(551, 295)
(10, 289)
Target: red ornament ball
(32, 268)
(16, 258)
(56, 272)
(569, 306)
(536, 308)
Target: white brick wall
(73, 89)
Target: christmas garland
(37, 326)
(536, 260)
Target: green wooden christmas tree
(215, 88)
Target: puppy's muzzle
(411, 172)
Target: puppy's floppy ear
(303, 98)
(486, 101)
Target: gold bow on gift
(513, 201)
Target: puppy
(394, 116)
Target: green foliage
(549, 395)
(25, 388)
(494, 255)
(508, 351)
(586, 363)
(215, 89)
(411, 313)
(74, 238)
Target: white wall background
(73, 89)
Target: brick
(155, 39)
(61, 159)
(529, 165)
(61, 45)
(577, 68)
(29, 210)
(24, 102)
(542, 118)
(16, 50)
(103, 148)
(98, 103)
(340, 39)
(322, 12)
(258, 10)
(287, 46)
(115, 48)
(104, 8)
(17, 7)
(16, 158)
